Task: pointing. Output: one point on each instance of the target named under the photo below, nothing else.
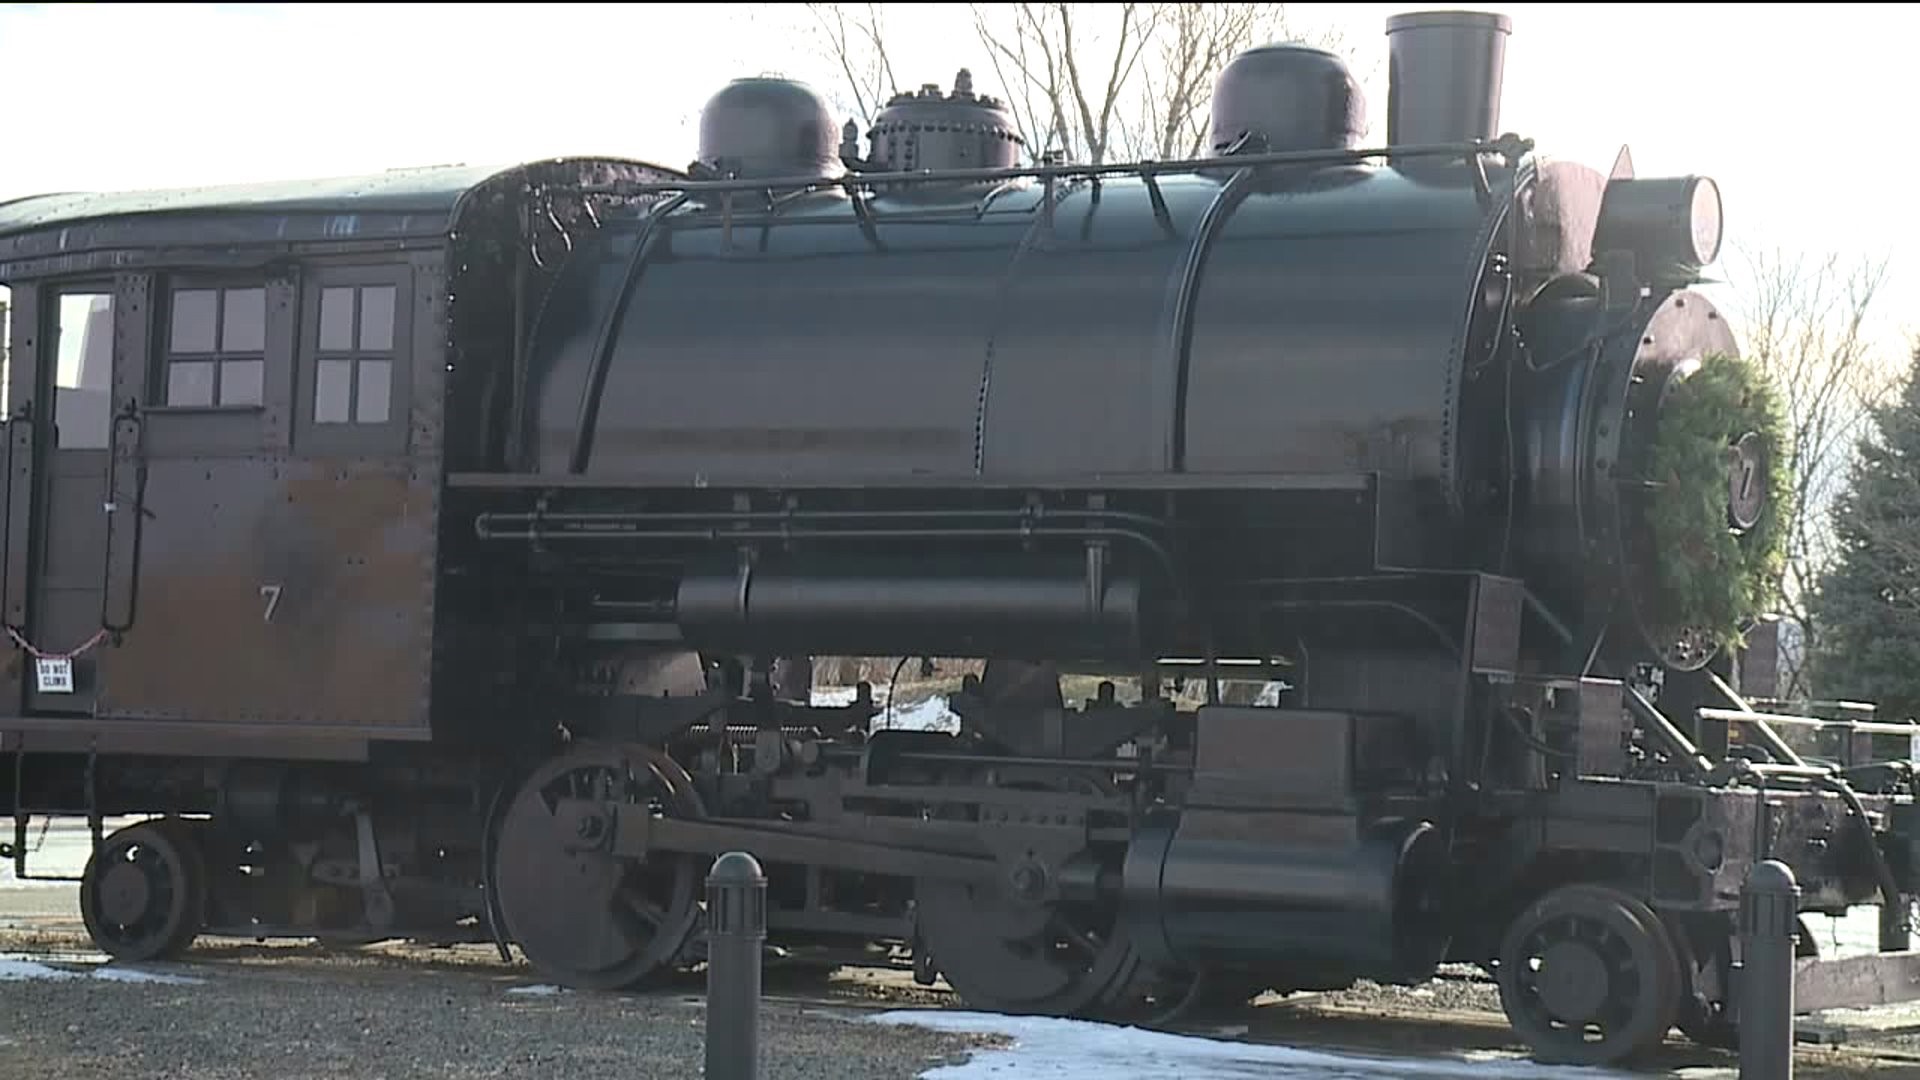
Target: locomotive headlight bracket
(1673, 226)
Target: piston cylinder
(1325, 898)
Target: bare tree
(1065, 68)
(855, 39)
(1196, 41)
(1086, 81)
(1090, 80)
(1805, 321)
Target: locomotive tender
(442, 553)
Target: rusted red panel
(280, 592)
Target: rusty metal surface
(285, 592)
(247, 579)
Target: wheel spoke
(641, 905)
(632, 925)
(1079, 939)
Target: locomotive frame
(331, 576)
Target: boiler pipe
(723, 535)
(1510, 147)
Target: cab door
(60, 446)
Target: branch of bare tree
(1086, 81)
(1804, 321)
(1197, 42)
(1092, 80)
(855, 39)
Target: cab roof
(432, 190)
(399, 204)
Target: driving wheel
(1005, 947)
(1589, 976)
(583, 916)
(143, 893)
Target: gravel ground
(311, 1015)
(386, 1012)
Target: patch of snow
(932, 714)
(24, 970)
(935, 714)
(1052, 1049)
(134, 975)
(542, 990)
(929, 715)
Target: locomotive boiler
(448, 553)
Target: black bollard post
(1768, 911)
(736, 926)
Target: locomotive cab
(228, 409)
(216, 436)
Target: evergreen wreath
(1709, 573)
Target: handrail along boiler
(445, 552)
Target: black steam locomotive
(445, 553)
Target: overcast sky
(1796, 110)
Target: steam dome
(1289, 96)
(767, 128)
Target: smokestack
(1444, 70)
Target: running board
(1765, 722)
